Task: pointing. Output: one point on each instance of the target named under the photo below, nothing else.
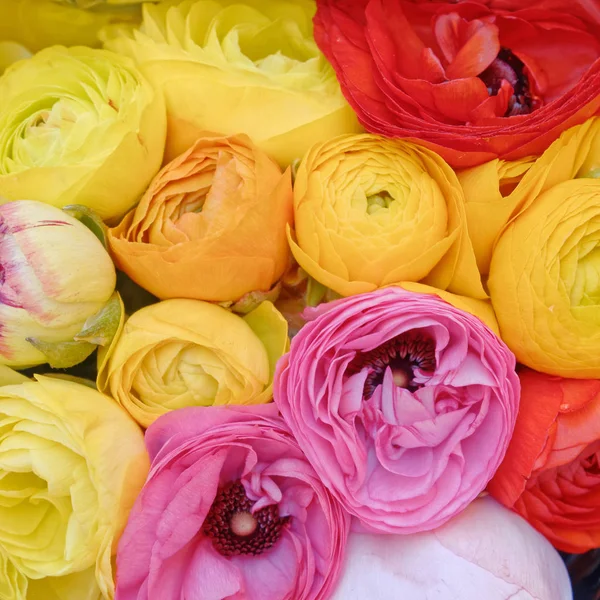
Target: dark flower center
(402, 354)
(234, 530)
(591, 464)
(507, 66)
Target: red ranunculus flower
(551, 472)
(474, 80)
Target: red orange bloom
(551, 472)
(474, 80)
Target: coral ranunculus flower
(551, 472)
(211, 226)
(231, 509)
(371, 212)
(403, 404)
(544, 281)
(473, 80)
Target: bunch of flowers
(299, 300)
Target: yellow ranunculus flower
(545, 281)
(71, 465)
(371, 212)
(38, 24)
(499, 190)
(79, 126)
(13, 584)
(181, 353)
(250, 66)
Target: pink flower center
(402, 354)
(507, 66)
(234, 529)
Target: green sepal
(315, 292)
(63, 355)
(248, 302)
(593, 173)
(90, 219)
(294, 168)
(102, 327)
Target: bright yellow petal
(498, 191)
(545, 281)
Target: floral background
(281, 276)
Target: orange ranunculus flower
(211, 226)
(371, 212)
(551, 472)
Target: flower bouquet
(299, 300)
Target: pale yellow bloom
(371, 212)
(179, 353)
(239, 67)
(13, 584)
(79, 126)
(71, 465)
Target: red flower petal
(380, 76)
(474, 48)
(541, 398)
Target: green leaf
(90, 219)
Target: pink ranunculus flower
(231, 509)
(403, 404)
(487, 552)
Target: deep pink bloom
(403, 404)
(231, 509)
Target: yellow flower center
(378, 201)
